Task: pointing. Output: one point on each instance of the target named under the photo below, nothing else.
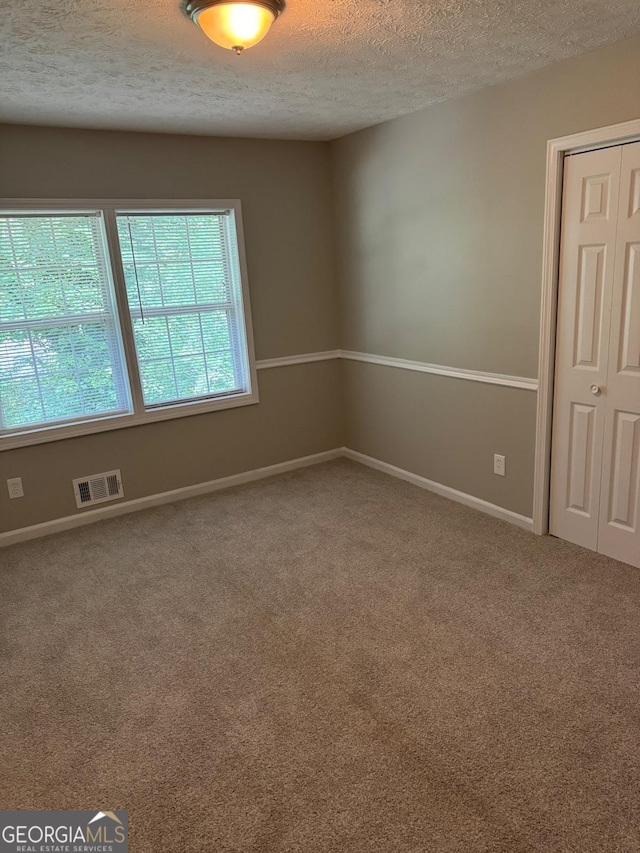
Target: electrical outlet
(499, 464)
(15, 488)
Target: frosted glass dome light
(235, 24)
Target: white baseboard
(446, 491)
(68, 522)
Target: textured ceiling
(328, 67)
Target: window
(119, 315)
(180, 285)
(60, 349)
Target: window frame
(139, 414)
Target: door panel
(619, 527)
(624, 471)
(629, 353)
(591, 267)
(634, 196)
(581, 457)
(596, 197)
(587, 252)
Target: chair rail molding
(303, 358)
(522, 382)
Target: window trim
(140, 415)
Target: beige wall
(300, 413)
(438, 227)
(439, 236)
(285, 192)
(441, 428)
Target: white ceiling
(328, 67)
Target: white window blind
(60, 349)
(185, 297)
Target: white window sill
(43, 435)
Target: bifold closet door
(587, 254)
(619, 526)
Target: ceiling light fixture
(235, 24)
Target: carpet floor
(330, 660)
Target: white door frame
(616, 134)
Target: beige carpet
(327, 661)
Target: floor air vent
(98, 488)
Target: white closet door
(619, 528)
(587, 251)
